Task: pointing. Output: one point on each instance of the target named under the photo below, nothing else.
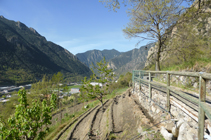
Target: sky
(76, 25)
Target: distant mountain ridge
(94, 56)
(26, 55)
(120, 62)
(130, 60)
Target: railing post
(201, 115)
(133, 80)
(150, 88)
(168, 92)
(139, 80)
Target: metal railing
(203, 108)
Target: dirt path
(100, 121)
(122, 118)
(117, 114)
(83, 128)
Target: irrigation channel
(119, 118)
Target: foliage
(41, 90)
(105, 78)
(153, 20)
(122, 82)
(28, 122)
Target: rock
(169, 126)
(208, 125)
(190, 134)
(195, 85)
(166, 134)
(179, 123)
(175, 131)
(158, 111)
(183, 131)
(153, 109)
(182, 78)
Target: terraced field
(119, 118)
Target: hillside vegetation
(188, 46)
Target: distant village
(6, 92)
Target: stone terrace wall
(182, 124)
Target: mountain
(94, 56)
(25, 55)
(130, 60)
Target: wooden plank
(158, 72)
(206, 76)
(188, 103)
(202, 98)
(186, 96)
(194, 74)
(207, 109)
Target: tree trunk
(102, 103)
(157, 60)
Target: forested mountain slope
(93, 56)
(26, 55)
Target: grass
(115, 92)
(74, 86)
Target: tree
(41, 90)
(153, 20)
(115, 4)
(58, 80)
(28, 122)
(100, 89)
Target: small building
(95, 83)
(74, 90)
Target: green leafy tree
(41, 90)
(58, 84)
(28, 122)
(58, 81)
(103, 81)
(153, 20)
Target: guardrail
(203, 108)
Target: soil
(121, 118)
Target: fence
(203, 108)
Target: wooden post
(201, 116)
(150, 88)
(139, 80)
(168, 92)
(133, 80)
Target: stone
(166, 134)
(183, 131)
(179, 123)
(181, 78)
(175, 131)
(195, 85)
(208, 125)
(190, 134)
(169, 126)
(153, 109)
(158, 111)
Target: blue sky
(77, 25)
